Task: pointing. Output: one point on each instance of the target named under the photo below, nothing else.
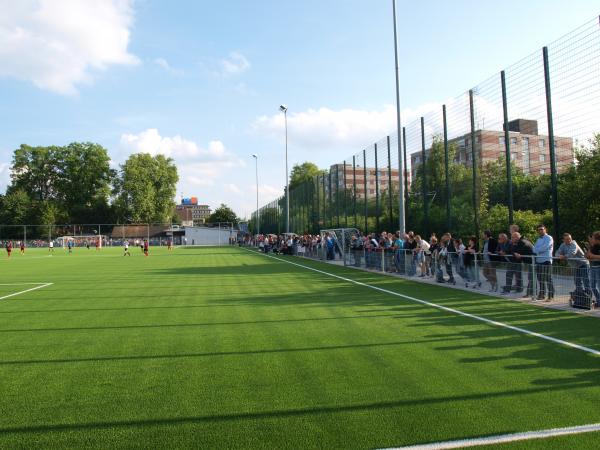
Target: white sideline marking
(445, 308)
(504, 438)
(41, 285)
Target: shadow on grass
(216, 354)
(203, 324)
(282, 413)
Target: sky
(202, 81)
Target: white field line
(41, 285)
(504, 438)
(445, 308)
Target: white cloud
(4, 175)
(58, 45)
(164, 64)
(234, 64)
(325, 129)
(150, 141)
(233, 188)
(206, 169)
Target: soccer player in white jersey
(126, 249)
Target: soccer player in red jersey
(169, 245)
(8, 248)
(97, 244)
(22, 247)
(146, 247)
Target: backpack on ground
(582, 299)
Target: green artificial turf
(226, 348)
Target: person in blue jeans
(574, 256)
(593, 255)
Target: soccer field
(228, 348)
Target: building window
(501, 141)
(513, 141)
(466, 142)
(541, 143)
(542, 172)
(542, 157)
(477, 139)
(513, 156)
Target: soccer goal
(83, 240)
(341, 243)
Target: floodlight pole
(284, 109)
(401, 212)
(255, 156)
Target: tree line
(318, 201)
(76, 184)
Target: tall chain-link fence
(505, 151)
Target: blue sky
(201, 81)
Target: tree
(146, 188)
(35, 171)
(579, 192)
(223, 214)
(84, 181)
(16, 208)
(302, 173)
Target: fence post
(405, 173)
(366, 195)
(318, 216)
(377, 228)
(474, 161)
(354, 189)
(324, 202)
(345, 197)
(329, 199)
(553, 174)
(533, 278)
(344, 246)
(509, 186)
(337, 194)
(390, 190)
(447, 170)
(424, 168)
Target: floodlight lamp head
(283, 108)
(254, 155)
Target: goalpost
(81, 240)
(342, 243)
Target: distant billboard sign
(189, 201)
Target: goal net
(337, 243)
(83, 240)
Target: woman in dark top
(593, 255)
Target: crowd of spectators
(508, 263)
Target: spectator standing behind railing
(409, 248)
(519, 251)
(440, 255)
(450, 254)
(329, 246)
(459, 262)
(399, 253)
(543, 248)
(489, 251)
(593, 254)
(570, 252)
(356, 246)
(471, 272)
